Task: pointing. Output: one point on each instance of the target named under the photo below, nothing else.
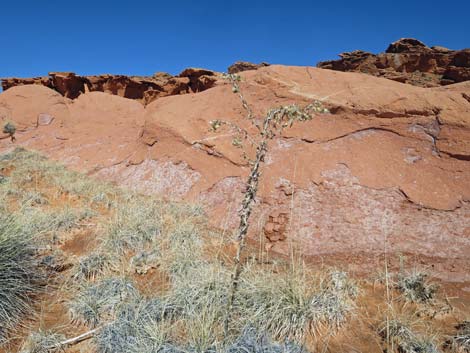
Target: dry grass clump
(188, 317)
(199, 296)
(460, 342)
(286, 305)
(150, 331)
(30, 167)
(251, 341)
(295, 303)
(139, 327)
(34, 198)
(135, 226)
(47, 224)
(20, 275)
(43, 342)
(405, 340)
(97, 303)
(415, 287)
(181, 250)
(92, 266)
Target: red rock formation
(144, 89)
(389, 166)
(240, 66)
(409, 61)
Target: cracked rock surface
(389, 166)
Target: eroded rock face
(388, 168)
(408, 61)
(144, 89)
(240, 66)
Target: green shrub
(10, 129)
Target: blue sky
(141, 37)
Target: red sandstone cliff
(409, 61)
(391, 161)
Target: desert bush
(415, 287)
(20, 274)
(268, 127)
(10, 129)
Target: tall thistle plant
(267, 127)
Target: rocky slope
(387, 168)
(409, 61)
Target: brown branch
(75, 340)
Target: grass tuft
(43, 342)
(135, 226)
(415, 287)
(460, 342)
(139, 327)
(92, 266)
(294, 304)
(20, 274)
(97, 303)
(406, 340)
(251, 341)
